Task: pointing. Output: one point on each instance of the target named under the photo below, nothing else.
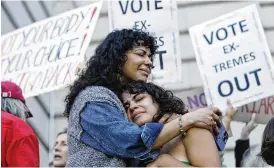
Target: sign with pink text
(264, 108)
(44, 56)
(234, 58)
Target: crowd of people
(116, 118)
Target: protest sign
(264, 108)
(44, 56)
(233, 58)
(160, 19)
(194, 98)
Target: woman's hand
(228, 116)
(249, 127)
(206, 118)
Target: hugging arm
(118, 137)
(201, 149)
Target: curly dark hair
(105, 67)
(267, 149)
(168, 103)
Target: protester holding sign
(262, 155)
(99, 133)
(146, 102)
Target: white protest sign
(44, 56)
(233, 58)
(195, 99)
(159, 18)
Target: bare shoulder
(199, 132)
(201, 148)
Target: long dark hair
(267, 149)
(168, 103)
(105, 67)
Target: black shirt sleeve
(240, 148)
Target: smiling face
(60, 152)
(138, 64)
(140, 108)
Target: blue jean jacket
(105, 129)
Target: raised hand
(249, 127)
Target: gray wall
(21, 13)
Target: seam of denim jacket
(150, 133)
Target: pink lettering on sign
(263, 106)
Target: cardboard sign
(160, 19)
(44, 56)
(233, 58)
(195, 99)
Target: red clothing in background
(19, 144)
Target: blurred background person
(252, 158)
(243, 143)
(267, 149)
(19, 144)
(261, 155)
(60, 151)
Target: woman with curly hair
(99, 133)
(146, 103)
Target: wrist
(228, 118)
(244, 136)
(186, 122)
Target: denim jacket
(105, 128)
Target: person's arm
(201, 148)
(23, 152)
(228, 117)
(242, 144)
(116, 136)
(201, 118)
(240, 148)
(107, 130)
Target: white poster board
(233, 58)
(264, 108)
(44, 56)
(160, 19)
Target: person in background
(263, 154)
(60, 151)
(19, 144)
(252, 158)
(267, 149)
(243, 144)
